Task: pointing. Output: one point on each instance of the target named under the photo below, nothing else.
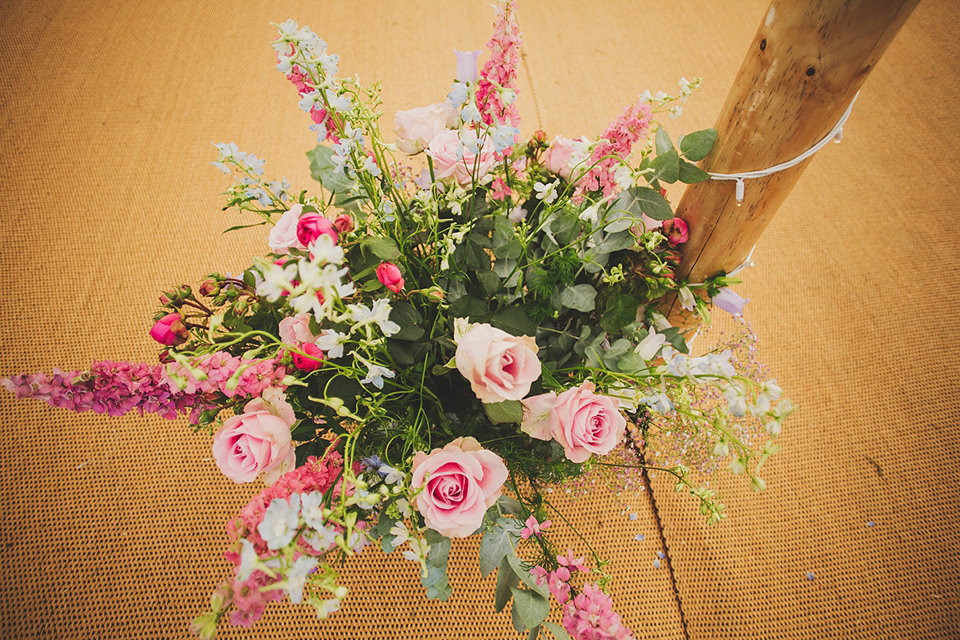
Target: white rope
(836, 134)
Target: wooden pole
(807, 62)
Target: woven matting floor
(113, 528)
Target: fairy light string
(836, 134)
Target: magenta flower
(533, 528)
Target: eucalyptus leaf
(489, 281)
(534, 633)
(506, 579)
(620, 311)
(695, 146)
(558, 632)
(322, 170)
(666, 167)
(581, 297)
(649, 202)
(468, 307)
(435, 581)
(663, 141)
(526, 577)
(383, 248)
(497, 544)
(531, 607)
(513, 321)
(690, 173)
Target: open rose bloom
(460, 482)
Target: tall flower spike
(498, 78)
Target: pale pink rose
(417, 127)
(536, 415)
(558, 155)
(274, 400)
(585, 423)
(498, 366)
(296, 329)
(252, 444)
(460, 482)
(451, 159)
(283, 236)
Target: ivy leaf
(510, 411)
(489, 281)
(409, 319)
(513, 321)
(506, 579)
(663, 141)
(690, 173)
(581, 297)
(666, 167)
(695, 146)
(467, 307)
(531, 607)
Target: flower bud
(675, 230)
(170, 330)
(343, 223)
(210, 287)
(389, 276)
(310, 362)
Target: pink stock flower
(534, 528)
(311, 226)
(675, 230)
(559, 584)
(613, 146)
(417, 127)
(460, 482)
(170, 330)
(389, 276)
(310, 362)
(498, 366)
(590, 616)
(571, 563)
(251, 444)
(585, 423)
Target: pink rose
(460, 482)
(498, 366)
(311, 226)
(283, 236)
(296, 329)
(389, 276)
(536, 415)
(557, 157)
(343, 223)
(451, 159)
(676, 231)
(170, 330)
(417, 127)
(585, 423)
(310, 362)
(253, 443)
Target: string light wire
(836, 134)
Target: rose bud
(389, 276)
(165, 357)
(169, 330)
(676, 231)
(209, 288)
(311, 226)
(343, 223)
(310, 362)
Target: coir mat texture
(113, 528)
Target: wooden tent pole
(807, 62)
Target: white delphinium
(311, 505)
(297, 577)
(624, 177)
(376, 374)
(379, 314)
(321, 538)
(331, 343)
(650, 345)
(590, 214)
(280, 522)
(276, 280)
(660, 402)
(546, 192)
(249, 560)
(736, 399)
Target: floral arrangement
(459, 319)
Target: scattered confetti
(633, 516)
(640, 537)
(810, 575)
(870, 523)
(661, 554)
(656, 563)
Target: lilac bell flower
(467, 66)
(728, 300)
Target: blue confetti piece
(661, 554)
(633, 516)
(656, 563)
(640, 537)
(810, 575)
(870, 523)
